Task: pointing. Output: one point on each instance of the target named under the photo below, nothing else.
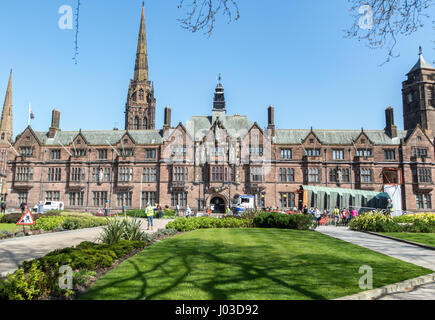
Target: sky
(289, 54)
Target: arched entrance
(217, 205)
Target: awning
(353, 192)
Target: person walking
(390, 207)
(336, 214)
(188, 212)
(149, 212)
(317, 216)
(344, 217)
(354, 213)
(23, 207)
(3, 206)
(159, 211)
(208, 211)
(178, 210)
(305, 210)
(106, 208)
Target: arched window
(141, 94)
(3, 136)
(145, 123)
(137, 123)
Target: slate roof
(101, 138)
(422, 64)
(336, 137)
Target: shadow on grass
(221, 270)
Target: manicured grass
(9, 227)
(248, 264)
(424, 238)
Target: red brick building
(211, 159)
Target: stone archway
(218, 204)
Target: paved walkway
(17, 250)
(403, 251)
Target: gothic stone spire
(6, 121)
(141, 68)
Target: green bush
(15, 217)
(284, 221)
(69, 222)
(184, 224)
(375, 221)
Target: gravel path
(17, 250)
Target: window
(314, 175)
(22, 197)
(410, 97)
(150, 154)
(125, 174)
(286, 154)
(149, 175)
(338, 154)
(141, 94)
(78, 174)
(179, 198)
(312, 152)
(180, 174)
(419, 152)
(257, 174)
(100, 198)
(219, 174)
(55, 154)
(150, 197)
(76, 199)
(366, 175)
(333, 175)
(424, 201)
(107, 175)
(52, 196)
(390, 154)
(345, 175)
(24, 174)
(79, 153)
(424, 175)
(261, 200)
(286, 175)
(26, 151)
(102, 154)
(54, 174)
(124, 199)
(179, 151)
(256, 151)
(218, 151)
(364, 153)
(127, 152)
(287, 200)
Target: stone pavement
(406, 252)
(17, 250)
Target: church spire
(141, 67)
(6, 121)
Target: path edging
(392, 288)
(401, 240)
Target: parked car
(50, 205)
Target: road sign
(26, 220)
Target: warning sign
(26, 220)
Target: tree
(201, 14)
(381, 22)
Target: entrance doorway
(217, 205)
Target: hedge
(284, 221)
(189, 224)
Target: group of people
(339, 216)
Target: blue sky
(291, 54)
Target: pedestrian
(227, 211)
(344, 216)
(149, 212)
(208, 211)
(23, 207)
(3, 205)
(317, 216)
(305, 210)
(354, 213)
(41, 207)
(188, 212)
(336, 214)
(178, 210)
(106, 208)
(390, 207)
(159, 211)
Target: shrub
(281, 221)
(125, 229)
(69, 222)
(375, 221)
(184, 224)
(15, 217)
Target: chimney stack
(391, 128)
(271, 120)
(168, 112)
(55, 124)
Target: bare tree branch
(201, 14)
(386, 20)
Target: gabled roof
(335, 137)
(102, 138)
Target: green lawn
(9, 227)
(424, 238)
(248, 264)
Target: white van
(50, 205)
